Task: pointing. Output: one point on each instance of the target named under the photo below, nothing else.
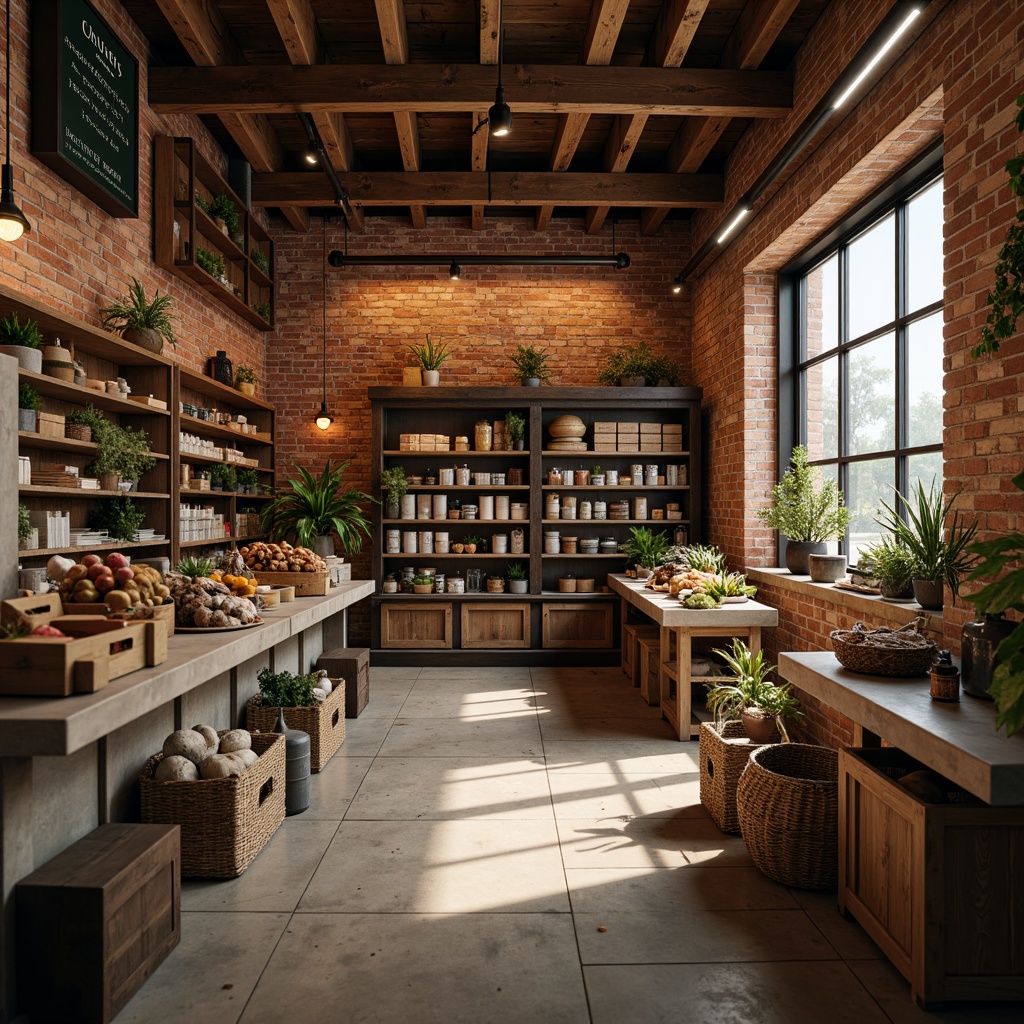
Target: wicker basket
(787, 802)
(224, 822)
(324, 723)
(78, 431)
(883, 651)
(723, 756)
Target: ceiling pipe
(620, 261)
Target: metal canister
(651, 475)
(394, 542)
(296, 767)
(439, 504)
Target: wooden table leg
(683, 671)
(623, 617)
(754, 639)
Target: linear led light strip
(815, 121)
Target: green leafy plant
(28, 397)
(224, 475)
(663, 370)
(122, 450)
(430, 356)
(223, 208)
(119, 516)
(1007, 295)
(728, 584)
(212, 263)
(890, 562)
(515, 426)
(286, 690)
(24, 523)
(195, 567)
(261, 309)
(596, 470)
(244, 374)
(394, 484)
(14, 332)
(516, 571)
(752, 689)
(261, 260)
(140, 313)
(637, 361)
(248, 478)
(1001, 560)
(940, 553)
(800, 510)
(423, 580)
(703, 558)
(470, 538)
(644, 548)
(529, 362)
(311, 506)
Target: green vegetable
(195, 567)
(287, 690)
(700, 601)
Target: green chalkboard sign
(85, 104)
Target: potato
(220, 766)
(186, 743)
(235, 739)
(118, 600)
(212, 739)
(175, 769)
(247, 756)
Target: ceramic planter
(147, 338)
(929, 594)
(827, 568)
(27, 420)
(798, 553)
(28, 358)
(431, 378)
(531, 382)
(246, 388)
(518, 586)
(324, 545)
(423, 588)
(759, 729)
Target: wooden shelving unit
(182, 228)
(544, 625)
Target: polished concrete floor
(516, 846)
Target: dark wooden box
(353, 665)
(96, 921)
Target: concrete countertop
(667, 610)
(33, 726)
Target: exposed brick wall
(576, 313)
(958, 81)
(79, 258)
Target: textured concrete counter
(31, 726)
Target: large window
(865, 376)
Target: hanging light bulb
(323, 418)
(677, 284)
(499, 117)
(455, 271)
(13, 223)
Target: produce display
(287, 690)
(262, 557)
(112, 581)
(207, 603)
(231, 572)
(203, 753)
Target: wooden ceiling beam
(457, 88)
(673, 32)
(297, 27)
(478, 161)
(468, 188)
(490, 29)
(622, 142)
(395, 38)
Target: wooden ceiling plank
(479, 143)
(594, 218)
(490, 27)
(477, 217)
(673, 32)
(468, 188)
(622, 141)
(567, 139)
(542, 217)
(650, 219)
(457, 89)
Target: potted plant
(245, 379)
(122, 453)
(212, 263)
(248, 481)
(261, 260)
(517, 581)
(78, 425)
(423, 584)
(597, 476)
(469, 543)
(26, 529)
(662, 372)
(143, 322)
(310, 508)
(23, 341)
(515, 427)
(644, 549)
(430, 357)
(28, 404)
(759, 703)
(224, 214)
(628, 366)
(892, 565)
(805, 514)
(940, 552)
(118, 516)
(395, 486)
(530, 364)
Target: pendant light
(499, 117)
(13, 223)
(323, 417)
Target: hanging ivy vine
(1007, 296)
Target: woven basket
(787, 802)
(78, 431)
(883, 651)
(324, 723)
(723, 756)
(224, 822)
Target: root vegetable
(175, 769)
(235, 739)
(221, 766)
(186, 743)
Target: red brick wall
(79, 258)
(577, 314)
(958, 81)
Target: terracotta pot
(470, 549)
(423, 588)
(150, 340)
(929, 594)
(798, 553)
(246, 387)
(457, 549)
(759, 729)
(109, 481)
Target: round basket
(787, 802)
(78, 431)
(883, 651)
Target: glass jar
(462, 476)
(483, 436)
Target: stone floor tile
(427, 737)
(604, 731)
(621, 757)
(363, 736)
(210, 974)
(498, 968)
(576, 795)
(848, 939)
(332, 788)
(420, 788)
(440, 867)
(469, 704)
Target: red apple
(88, 560)
(115, 560)
(97, 570)
(77, 572)
(104, 583)
(124, 574)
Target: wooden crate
(224, 822)
(352, 664)
(42, 666)
(324, 722)
(577, 623)
(496, 624)
(96, 921)
(306, 584)
(723, 756)
(631, 633)
(161, 613)
(938, 887)
(416, 624)
(649, 673)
